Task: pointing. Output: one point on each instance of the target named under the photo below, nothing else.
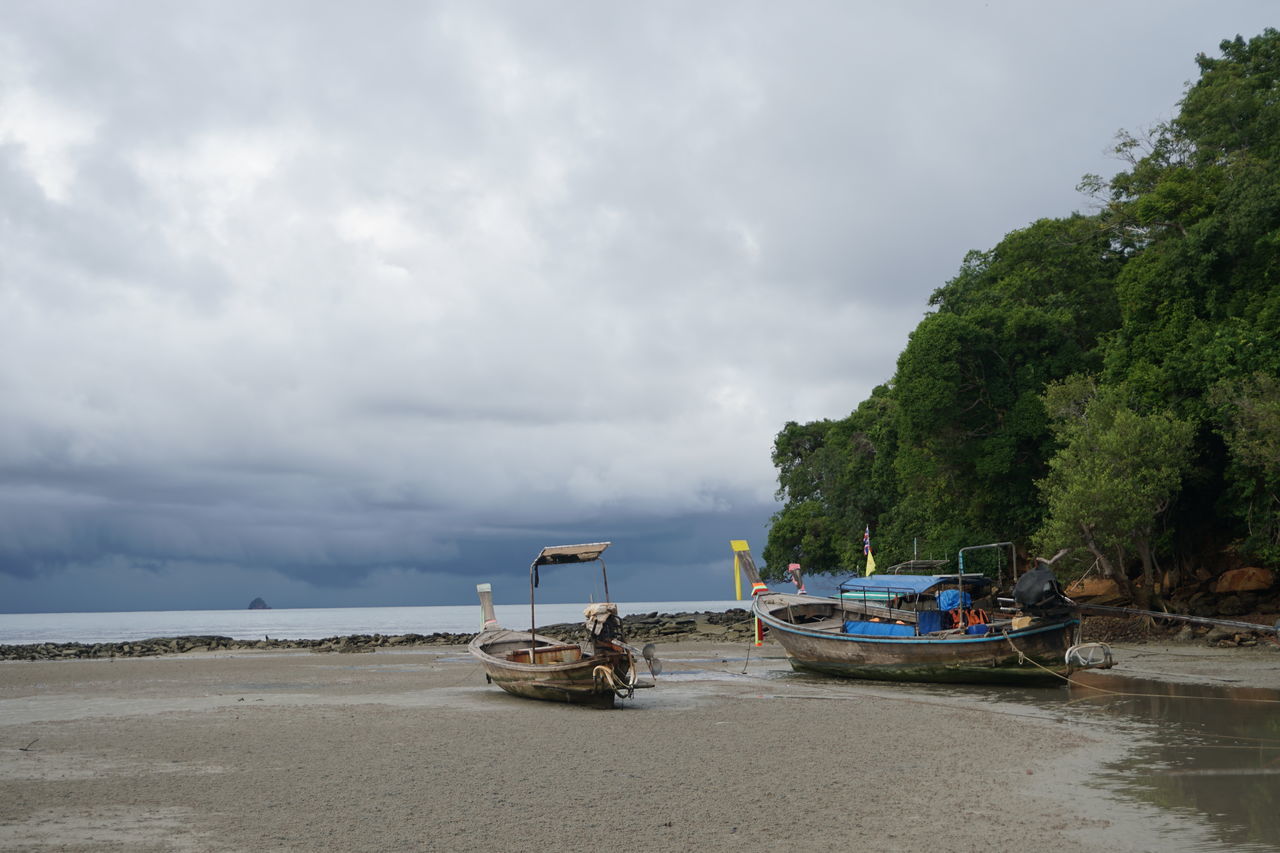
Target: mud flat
(410, 749)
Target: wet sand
(411, 750)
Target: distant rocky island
(259, 604)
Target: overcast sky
(362, 303)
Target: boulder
(1092, 587)
(1248, 579)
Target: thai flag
(866, 540)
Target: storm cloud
(362, 303)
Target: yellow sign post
(738, 545)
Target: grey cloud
(358, 299)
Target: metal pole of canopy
(999, 571)
(533, 622)
(980, 547)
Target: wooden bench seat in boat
(548, 654)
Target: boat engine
(1038, 593)
(603, 623)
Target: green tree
(836, 472)
(1251, 429)
(969, 383)
(802, 533)
(1117, 473)
(1198, 212)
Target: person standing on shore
(793, 571)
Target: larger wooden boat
(524, 663)
(895, 627)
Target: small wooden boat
(525, 663)
(896, 627)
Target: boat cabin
(911, 605)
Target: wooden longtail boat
(525, 663)
(891, 628)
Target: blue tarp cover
(912, 583)
(929, 621)
(879, 629)
(950, 599)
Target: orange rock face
(1092, 587)
(1248, 579)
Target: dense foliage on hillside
(1104, 383)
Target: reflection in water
(1210, 750)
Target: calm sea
(301, 624)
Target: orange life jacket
(961, 618)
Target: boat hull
(1032, 655)
(558, 673)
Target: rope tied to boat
(1022, 657)
(623, 688)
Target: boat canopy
(556, 554)
(912, 583)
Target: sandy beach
(412, 750)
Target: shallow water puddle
(1208, 750)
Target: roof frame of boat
(911, 584)
(559, 554)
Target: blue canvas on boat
(950, 599)
(905, 583)
(929, 621)
(879, 629)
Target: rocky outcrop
(1203, 600)
(1095, 589)
(731, 626)
(183, 645)
(259, 604)
(1247, 579)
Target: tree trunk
(1151, 573)
(1108, 571)
(1107, 567)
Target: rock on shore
(731, 625)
